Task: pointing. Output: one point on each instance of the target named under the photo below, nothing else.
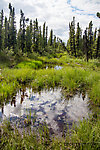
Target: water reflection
(58, 67)
(49, 106)
(13, 101)
(55, 67)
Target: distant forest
(33, 38)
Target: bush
(30, 64)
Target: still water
(47, 106)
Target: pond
(48, 106)
(53, 66)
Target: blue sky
(57, 13)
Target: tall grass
(95, 93)
(69, 78)
(20, 75)
(11, 80)
(85, 136)
(46, 78)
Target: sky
(56, 13)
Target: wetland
(49, 106)
(57, 105)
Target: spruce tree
(98, 45)
(35, 36)
(55, 44)
(78, 40)
(50, 42)
(1, 30)
(6, 32)
(44, 35)
(94, 43)
(28, 42)
(90, 39)
(22, 31)
(40, 40)
(31, 27)
(72, 37)
(12, 28)
(85, 43)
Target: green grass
(69, 78)
(29, 64)
(85, 136)
(21, 75)
(66, 60)
(95, 93)
(75, 76)
(12, 79)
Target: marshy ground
(68, 104)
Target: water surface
(47, 106)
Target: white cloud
(89, 6)
(58, 13)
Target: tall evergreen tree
(86, 49)
(50, 42)
(98, 45)
(44, 34)
(1, 30)
(90, 39)
(28, 41)
(78, 40)
(40, 49)
(94, 43)
(31, 28)
(12, 28)
(5, 33)
(35, 36)
(22, 31)
(55, 44)
(72, 37)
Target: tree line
(87, 44)
(33, 38)
(29, 38)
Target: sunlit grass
(29, 64)
(75, 76)
(66, 60)
(85, 136)
(69, 78)
(95, 93)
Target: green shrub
(30, 64)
